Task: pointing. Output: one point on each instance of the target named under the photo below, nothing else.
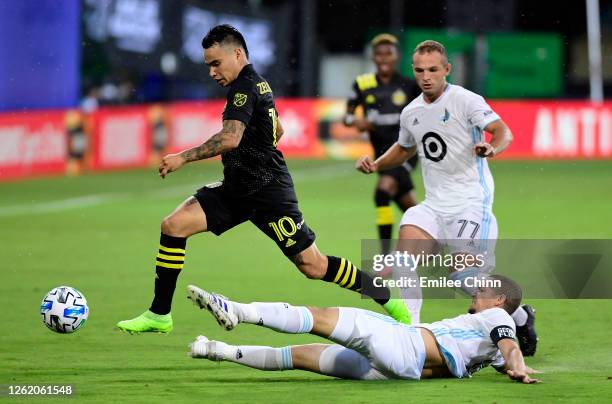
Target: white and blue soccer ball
(64, 310)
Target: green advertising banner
(524, 65)
(516, 65)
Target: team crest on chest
(444, 118)
(398, 97)
(370, 99)
(240, 99)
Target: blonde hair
(429, 46)
(385, 38)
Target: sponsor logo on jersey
(415, 122)
(240, 99)
(434, 147)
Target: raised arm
(515, 364)
(225, 140)
(501, 137)
(395, 156)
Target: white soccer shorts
(473, 231)
(386, 348)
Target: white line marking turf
(299, 176)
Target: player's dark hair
(429, 46)
(224, 34)
(511, 290)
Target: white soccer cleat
(203, 348)
(219, 306)
(199, 347)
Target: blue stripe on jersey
(458, 333)
(386, 319)
(477, 136)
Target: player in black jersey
(383, 95)
(256, 187)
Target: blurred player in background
(382, 96)
(446, 126)
(256, 187)
(370, 346)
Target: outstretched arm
(395, 156)
(227, 139)
(515, 364)
(501, 137)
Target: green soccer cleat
(398, 310)
(147, 322)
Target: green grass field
(99, 233)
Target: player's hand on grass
(366, 165)
(531, 371)
(170, 163)
(483, 149)
(522, 377)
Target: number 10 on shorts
(284, 227)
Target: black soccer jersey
(382, 104)
(256, 161)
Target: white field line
(299, 176)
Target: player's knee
(382, 197)
(171, 226)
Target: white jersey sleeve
(478, 112)
(406, 139)
(499, 324)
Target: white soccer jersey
(445, 132)
(469, 342)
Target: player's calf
(258, 357)
(281, 317)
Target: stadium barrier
(55, 142)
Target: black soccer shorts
(273, 209)
(403, 178)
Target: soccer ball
(64, 310)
